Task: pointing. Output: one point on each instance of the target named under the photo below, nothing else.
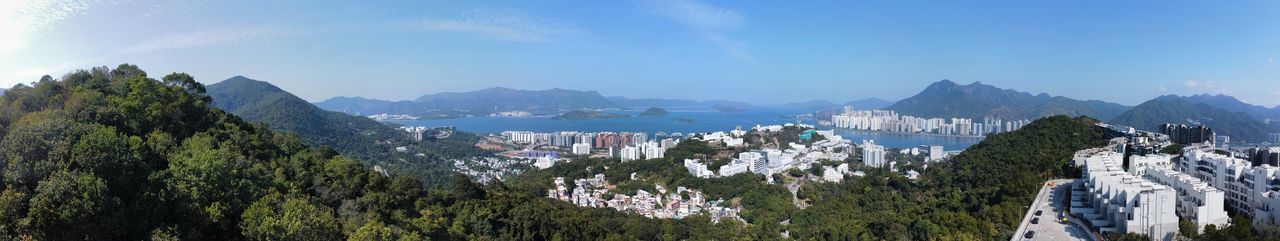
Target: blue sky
(765, 52)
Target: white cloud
(209, 38)
(1208, 87)
(1163, 88)
(22, 20)
(711, 21)
(501, 25)
(1271, 60)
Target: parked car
(1038, 212)
(1035, 221)
(1030, 234)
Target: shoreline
(909, 133)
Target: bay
(702, 120)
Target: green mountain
(654, 111)
(945, 99)
(353, 136)
(1183, 110)
(502, 99)
(473, 102)
(869, 104)
(656, 102)
(1232, 104)
(363, 106)
(813, 105)
(262, 102)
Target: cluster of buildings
(889, 121)
(1150, 194)
(385, 116)
(1187, 135)
(1113, 200)
(683, 202)
(627, 145)
(485, 169)
(1250, 190)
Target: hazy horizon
(757, 52)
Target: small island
(728, 108)
(587, 114)
(653, 112)
(685, 120)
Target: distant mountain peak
(945, 99)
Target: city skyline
(676, 49)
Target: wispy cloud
(1163, 89)
(1208, 87)
(497, 25)
(501, 25)
(711, 21)
(21, 20)
(210, 38)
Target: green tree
(275, 217)
(212, 184)
(71, 205)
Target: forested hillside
(352, 136)
(111, 154)
(978, 195)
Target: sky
(763, 52)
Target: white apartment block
(1115, 201)
(653, 150)
(1197, 201)
(1250, 190)
(936, 153)
(734, 167)
(581, 148)
(697, 168)
(1139, 165)
(872, 154)
(630, 153)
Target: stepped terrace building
(1113, 200)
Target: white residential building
(1115, 201)
(1138, 165)
(936, 153)
(653, 150)
(734, 167)
(544, 162)
(1197, 201)
(1250, 190)
(581, 148)
(872, 154)
(831, 175)
(630, 153)
(697, 168)
(758, 163)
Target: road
(1050, 203)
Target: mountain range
(505, 99)
(1232, 104)
(1, 91)
(945, 99)
(869, 104)
(814, 105)
(658, 102)
(1195, 110)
